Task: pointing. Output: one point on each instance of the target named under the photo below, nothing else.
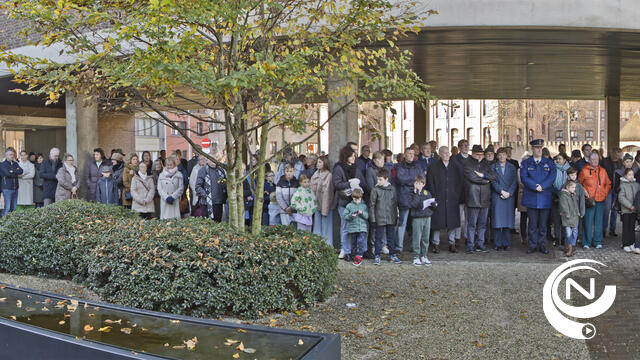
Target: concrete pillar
(421, 123)
(612, 110)
(81, 131)
(343, 126)
(1, 141)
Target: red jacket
(596, 182)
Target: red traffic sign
(206, 143)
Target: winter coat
(384, 205)
(569, 211)
(170, 186)
(636, 201)
(416, 201)
(611, 166)
(580, 164)
(561, 177)
(617, 175)
(118, 173)
(628, 191)
(193, 179)
(142, 192)
(182, 169)
(502, 210)
(532, 174)
(582, 197)
(371, 178)
(405, 174)
(304, 202)
(298, 168)
(48, 171)
(478, 189)
(322, 187)
(310, 171)
(341, 182)
(268, 189)
(445, 183)
(38, 181)
(25, 191)
(284, 192)
(9, 172)
(424, 163)
(107, 191)
(91, 176)
(216, 193)
(362, 163)
(63, 191)
(358, 223)
(595, 182)
(127, 175)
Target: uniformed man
(537, 174)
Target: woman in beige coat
(68, 180)
(170, 189)
(322, 188)
(129, 172)
(142, 192)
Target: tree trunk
(258, 201)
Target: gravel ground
(450, 310)
(61, 287)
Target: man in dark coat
(10, 170)
(478, 176)
(406, 172)
(460, 158)
(445, 184)
(580, 164)
(92, 172)
(426, 157)
(48, 171)
(611, 163)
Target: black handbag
(127, 196)
(591, 201)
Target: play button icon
(588, 331)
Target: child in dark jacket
(420, 202)
(269, 187)
(384, 215)
(107, 187)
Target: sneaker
(357, 260)
(385, 250)
(396, 259)
(585, 247)
(469, 251)
(636, 250)
(341, 256)
(627, 249)
(425, 261)
(598, 246)
(416, 262)
(376, 261)
(348, 258)
(482, 249)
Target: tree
(255, 59)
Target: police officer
(537, 174)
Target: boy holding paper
(420, 202)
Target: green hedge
(188, 266)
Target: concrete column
(2, 145)
(421, 123)
(82, 131)
(343, 126)
(612, 110)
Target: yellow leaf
(105, 329)
(300, 342)
(179, 347)
(240, 347)
(236, 355)
(119, 321)
(92, 315)
(242, 331)
(61, 322)
(12, 317)
(88, 328)
(230, 342)
(19, 303)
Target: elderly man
(478, 176)
(426, 157)
(10, 170)
(537, 174)
(460, 158)
(445, 184)
(363, 161)
(48, 171)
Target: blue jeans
(344, 236)
(476, 218)
(323, 226)
(402, 227)
(10, 201)
(593, 225)
(503, 237)
(359, 242)
(571, 235)
(383, 231)
(609, 217)
(265, 218)
(538, 227)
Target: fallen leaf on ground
(249, 350)
(44, 308)
(119, 321)
(191, 343)
(19, 303)
(74, 302)
(105, 329)
(61, 322)
(300, 342)
(178, 347)
(126, 330)
(166, 344)
(3, 299)
(88, 328)
(230, 342)
(12, 317)
(175, 321)
(242, 331)
(236, 355)
(92, 315)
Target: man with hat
(478, 176)
(537, 174)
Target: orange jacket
(596, 182)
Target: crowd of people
(380, 198)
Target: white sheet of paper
(427, 203)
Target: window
(589, 115)
(505, 135)
(588, 135)
(559, 135)
(273, 147)
(471, 136)
(627, 114)
(470, 109)
(312, 148)
(603, 135)
(200, 128)
(180, 124)
(530, 134)
(574, 135)
(518, 134)
(602, 115)
(298, 149)
(439, 137)
(454, 137)
(486, 136)
(146, 127)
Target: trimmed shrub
(187, 266)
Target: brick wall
(116, 130)
(10, 31)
